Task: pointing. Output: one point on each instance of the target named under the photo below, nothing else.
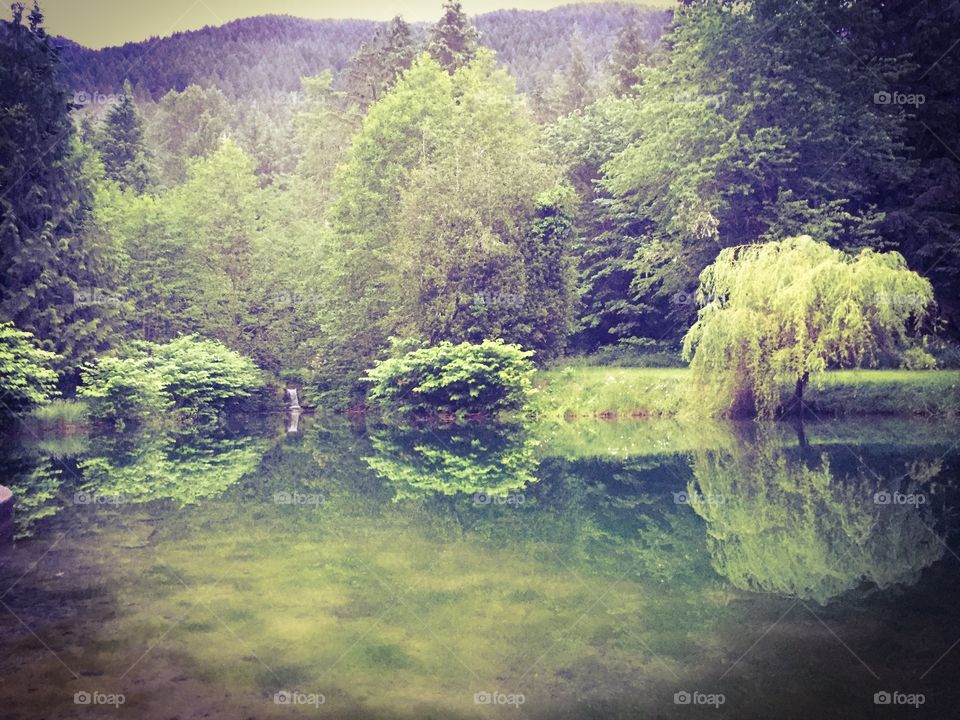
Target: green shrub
(198, 378)
(123, 388)
(27, 378)
(446, 378)
(202, 375)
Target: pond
(561, 570)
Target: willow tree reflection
(795, 527)
(494, 460)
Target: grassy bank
(656, 392)
(63, 414)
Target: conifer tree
(121, 145)
(380, 61)
(453, 40)
(53, 278)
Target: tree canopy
(778, 312)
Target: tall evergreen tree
(572, 88)
(53, 278)
(121, 145)
(453, 40)
(631, 53)
(380, 61)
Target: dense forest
(317, 195)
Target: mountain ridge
(274, 51)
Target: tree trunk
(798, 392)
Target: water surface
(582, 570)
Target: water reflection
(184, 467)
(35, 471)
(490, 461)
(794, 525)
(643, 558)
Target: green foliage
(27, 377)
(572, 87)
(761, 125)
(781, 312)
(633, 53)
(123, 389)
(638, 352)
(200, 378)
(448, 225)
(485, 378)
(187, 125)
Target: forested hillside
(269, 55)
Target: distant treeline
(266, 55)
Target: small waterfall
(292, 395)
(294, 420)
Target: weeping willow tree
(783, 526)
(776, 313)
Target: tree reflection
(183, 468)
(494, 460)
(35, 472)
(796, 527)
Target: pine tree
(52, 277)
(572, 89)
(631, 53)
(380, 61)
(121, 145)
(36, 21)
(453, 40)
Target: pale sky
(99, 23)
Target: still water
(569, 570)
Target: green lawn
(658, 392)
